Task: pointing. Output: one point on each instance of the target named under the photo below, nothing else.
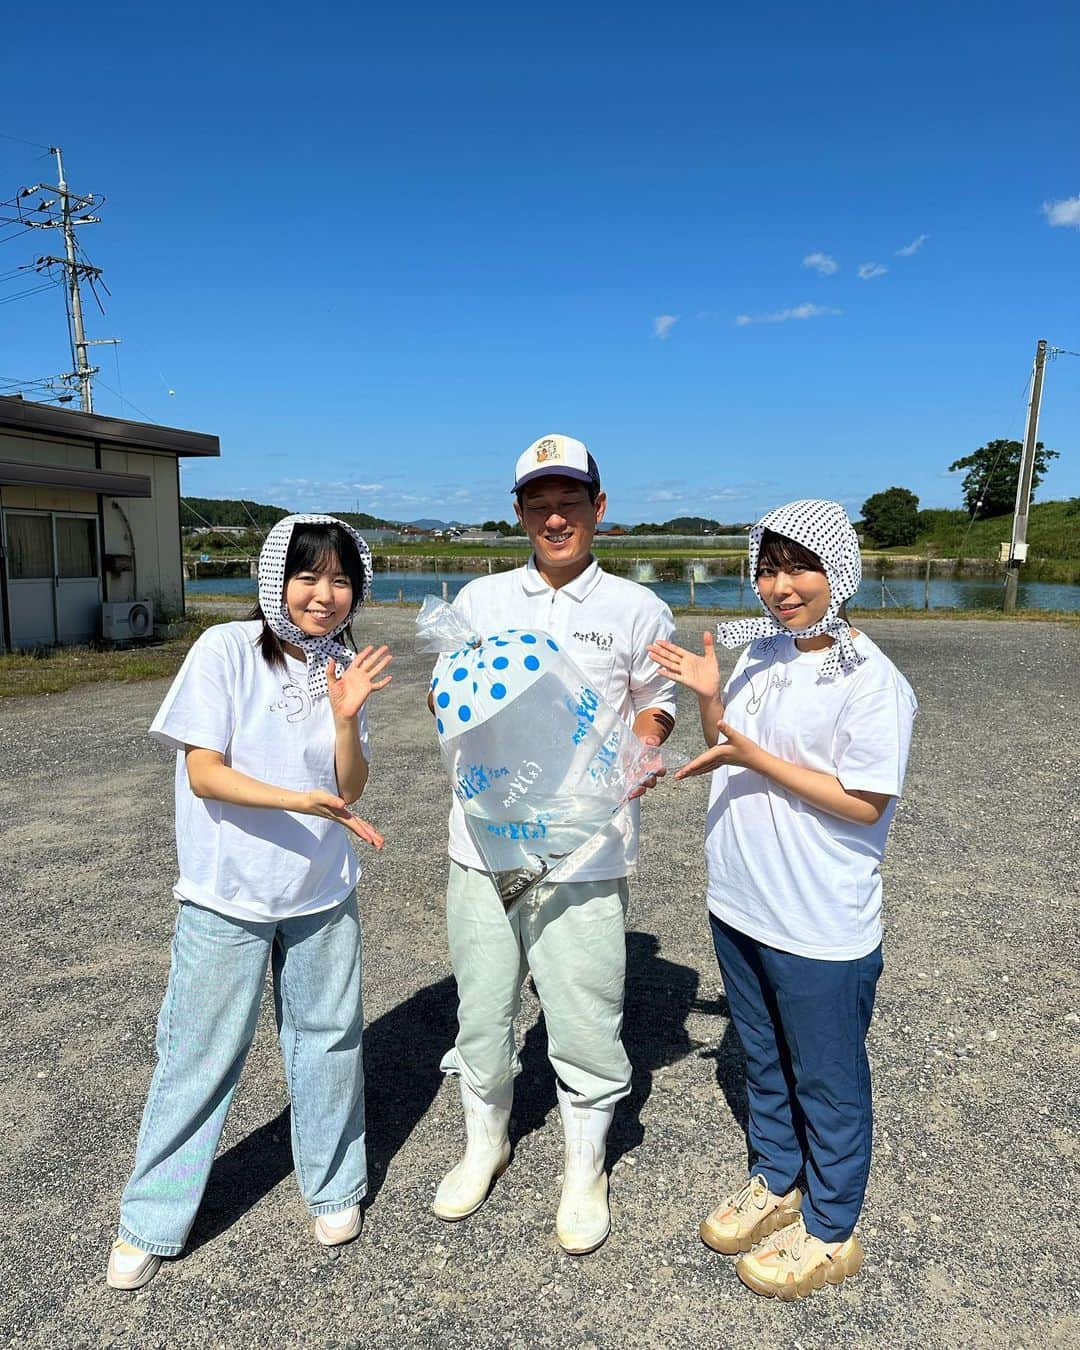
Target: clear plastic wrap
(539, 761)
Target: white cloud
(913, 247)
(692, 497)
(663, 324)
(806, 311)
(867, 271)
(1064, 212)
(821, 263)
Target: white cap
(556, 454)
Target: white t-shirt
(604, 624)
(245, 861)
(781, 871)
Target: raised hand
(319, 802)
(349, 692)
(699, 673)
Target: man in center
(574, 944)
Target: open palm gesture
(699, 673)
(349, 692)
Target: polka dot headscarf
(822, 527)
(272, 599)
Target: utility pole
(1018, 543)
(82, 372)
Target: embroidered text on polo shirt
(604, 641)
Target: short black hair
(777, 550)
(311, 548)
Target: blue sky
(377, 254)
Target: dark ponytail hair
(311, 548)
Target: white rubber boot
(487, 1154)
(583, 1222)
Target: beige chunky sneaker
(331, 1230)
(130, 1267)
(793, 1263)
(748, 1216)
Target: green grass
(1053, 533)
(52, 670)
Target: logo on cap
(548, 451)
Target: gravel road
(969, 1226)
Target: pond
(722, 592)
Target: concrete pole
(78, 339)
(1018, 542)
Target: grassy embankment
(1053, 539)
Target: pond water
(722, 592)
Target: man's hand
(651, 781)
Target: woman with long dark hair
(268, 717)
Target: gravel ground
(969, 1227)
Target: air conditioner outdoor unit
(126, 619)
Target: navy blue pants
(803, 1027)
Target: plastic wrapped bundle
(538, 760)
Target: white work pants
(575, 946)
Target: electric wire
(34, 145)
(126, 401)
(214, 528)
(989, 479)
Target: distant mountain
(234, 511)
(428, 524)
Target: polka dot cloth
(272, 599)
(473, 683)
(822, 527)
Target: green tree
(891, 517)
(992, 472)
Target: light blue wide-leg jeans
(205, 1029)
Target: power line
(989, 478)
(33, 290)
(4, 135)
(145, 415)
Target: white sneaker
(487, 1155)
(583, 1221)
(130, 1267)
(334, 1229)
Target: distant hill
(226, 511)
(232, 511)
(429, 524)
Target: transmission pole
(82, 372)
(1018, 543)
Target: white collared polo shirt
(604, 624)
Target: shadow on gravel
(730, 1062)
(241, 1177)
(402, 1050)
(659, 998)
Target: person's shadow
(660, 995)
(402, 1050)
